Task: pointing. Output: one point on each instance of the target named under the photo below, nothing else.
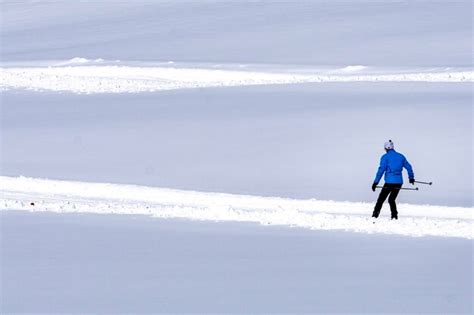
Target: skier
(392, 164)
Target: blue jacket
(392, 164)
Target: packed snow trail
(80, 75)
(31, 194)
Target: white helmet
(388, 145)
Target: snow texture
(75, 76)
(359, 32)
(298, 141)
(311, 85)
(65, 197)
(115, 264)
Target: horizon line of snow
(135, 79)
(17, 193)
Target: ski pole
(416, 188)
(426, 183)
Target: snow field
(30, 194)
(81, 75)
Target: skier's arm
(409, 169)
(381, 170)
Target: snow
(373, 33)
(298, 141)
(76, 197)
(122, 78)
(239, 141)
(86, 263)
(80, 61)
(354, 68)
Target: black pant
(392, 190)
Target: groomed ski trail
(81, 75)
(37, 195)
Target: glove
(374, 185)
(412, 181)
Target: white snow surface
(80, 75)
(356, 32)
(32, 194)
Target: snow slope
(65, 196)
(115, 264)
(382, 33)
(376, 70)
(78, 75)
(289, 140)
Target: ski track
(17, 193)
(80, 75)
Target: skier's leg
(392, 203)
(382, 196)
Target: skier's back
(391, 164)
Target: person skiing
(392, 164)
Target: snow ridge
(80, 75)
(31, 194)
